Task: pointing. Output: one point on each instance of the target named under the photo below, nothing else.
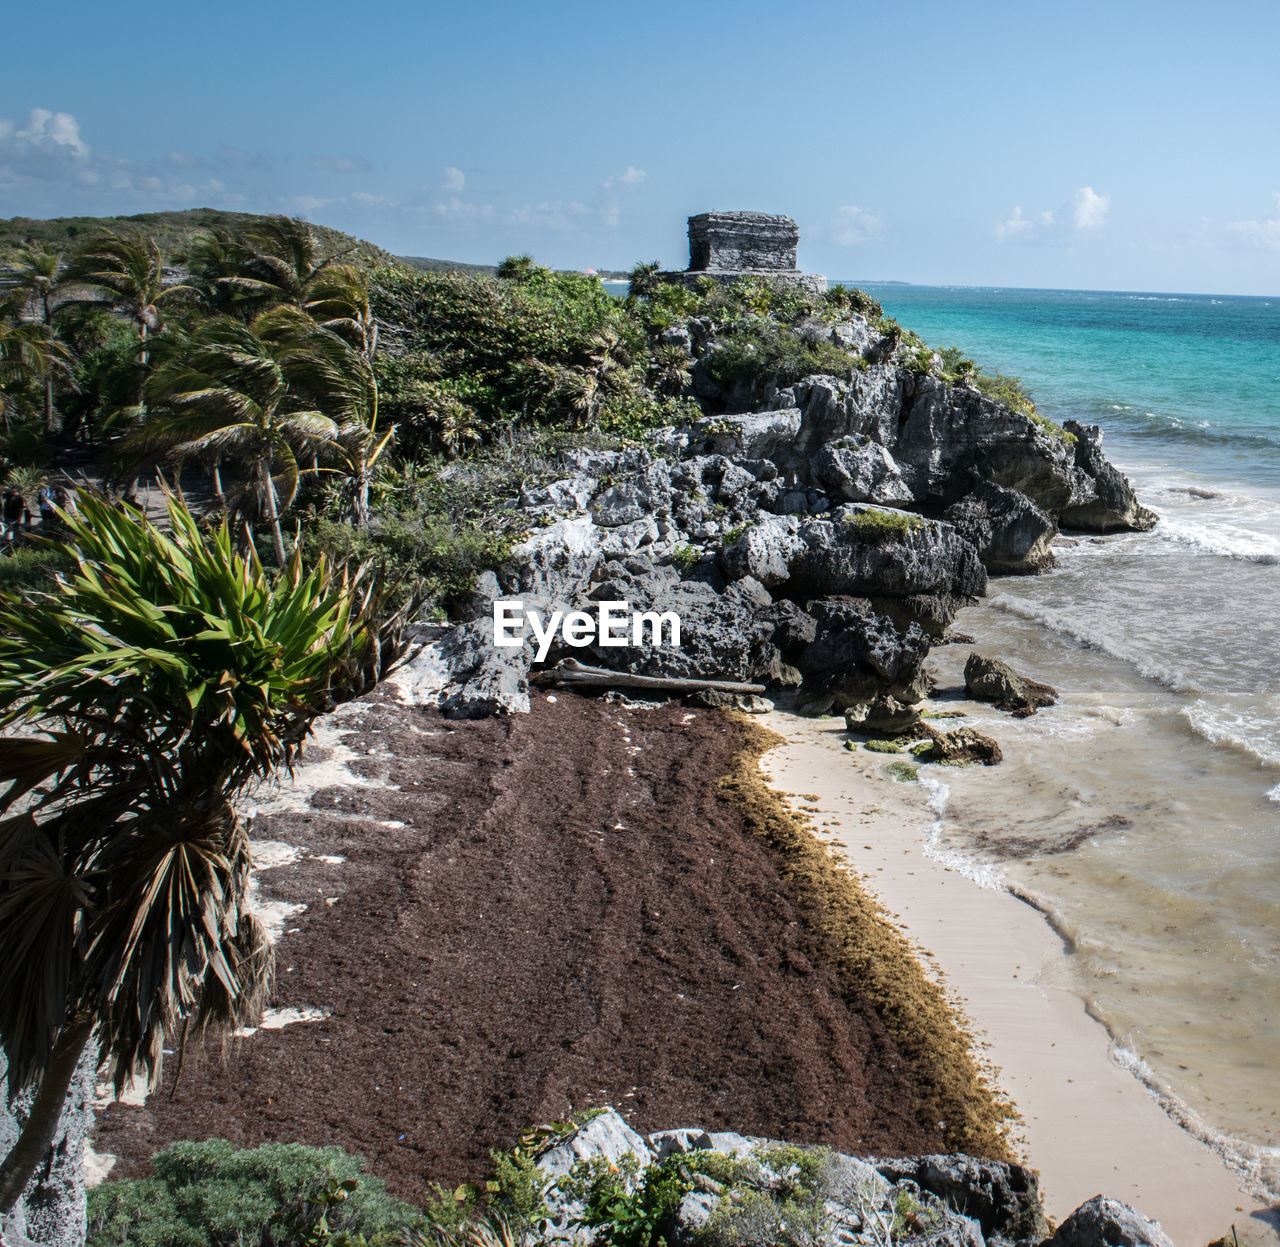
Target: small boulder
(989, 679)
(718, 699)
(1105, 1222)
(884, 716)
(963, 747)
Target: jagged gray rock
(1114, 507)
(1003, 1198)
(1105, 1222)
(606, 1137)
(989, 679)
(856, 469)
(1010, 533)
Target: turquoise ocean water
(1143, 812)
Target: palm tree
(644, 280)
(212, 257)
(164, 676)
(128, 268)
(30, 353)
(39, 273)
(264, 394)
(282, 263)
(337, 297)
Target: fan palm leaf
(164, 674)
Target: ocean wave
(984, 874)
(1235, 729)
(1257, 1164)
(1153, 424)
(1273, 794)
(1062, 623)
(1226, 540)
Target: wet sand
(1087, 1124)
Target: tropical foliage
(210, 1195)
(162, 675)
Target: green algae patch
(882, 746)
(904, 772)
(846, 930)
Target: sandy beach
(1086, 1124)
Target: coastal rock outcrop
(816, 538)
(747, 1189)
(989, 679)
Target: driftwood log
(570, 673)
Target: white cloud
(1087, 210)
(454, 179)
(1091, 208)
(855, 225)
(1260, 233)
(1015, 225)
(48, 129)
(630, 176)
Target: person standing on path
(44, 500)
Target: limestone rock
(963, 747)
(1104, 1222)
(606, 1137)
(859, 470)
(989, 679)
(883, 716)
(1003, 1198)
(1010, 532)
(765, 551)
(1114, 506)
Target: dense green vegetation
(172, 231)
(278, 1195)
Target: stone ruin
(726, 246)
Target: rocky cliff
(814, 537)
(724, 1188)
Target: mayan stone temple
(729, 245)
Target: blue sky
(1102, 146)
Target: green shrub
(627, 1206)
(756, 1219)
(881, 524)
(759, 347)
(32, 567)
(841, 302)
(277, 1195)
(684, 557)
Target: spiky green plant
(162, 676)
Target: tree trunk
(268, 487)
(50, 420)
(42, 1123)
(217, 483)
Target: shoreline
(1087, 1123)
